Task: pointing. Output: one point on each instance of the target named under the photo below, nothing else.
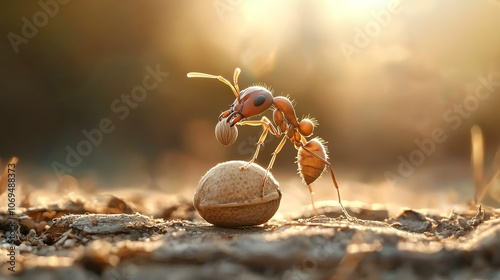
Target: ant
(312, 157)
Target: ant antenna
(235, 88)
(237, 72)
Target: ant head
(253, 101)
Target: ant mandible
(312, 157)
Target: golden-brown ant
(312, 157)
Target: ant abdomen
(310, 167)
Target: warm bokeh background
(371, 105)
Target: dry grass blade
(3, 179)
(483, 183)
(492, 176)
(477, 162)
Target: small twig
(63, 238)
(339, 224)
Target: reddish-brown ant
(312, 157)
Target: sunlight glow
(356, 9)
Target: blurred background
(379, 76)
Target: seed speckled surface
(230, 196)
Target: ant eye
(259, 100)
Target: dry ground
(108, 239)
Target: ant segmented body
(312, 157)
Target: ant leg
(267, 126)
(333, 179)
(271, 163)
(311, 192)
